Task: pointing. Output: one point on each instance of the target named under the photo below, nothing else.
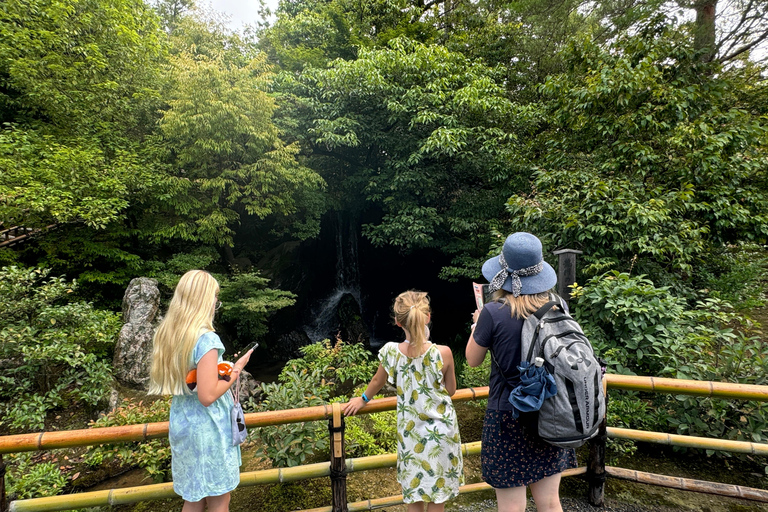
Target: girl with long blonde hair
(429, 461)
(204, 460)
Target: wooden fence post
(566, 271)
(3, 502)
(596, 463)
(338, 463)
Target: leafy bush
(342, 363)
(639, 328)
(736, 275)
(154, 455)
(476, 377)
(57, 351)
(31, 478)
(246, 300)
(369, 434)
(308, 381)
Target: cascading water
(324, 321)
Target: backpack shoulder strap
(539, 314)
(493, 359)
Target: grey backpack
(574, 414)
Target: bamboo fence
(338, 467)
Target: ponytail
(411, 311)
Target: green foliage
(627, 410)
(476, 377)
(58, 350)
(292, 444)
(427, 135)
(31, 478)
(154, 455)
(45, 181)
(247, 301)
(639, 328)
(736, 275)
(369, 434)
(645, 148)
(340, 362)
(308, 381)
(78, 64)
(225, 156)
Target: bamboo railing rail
(688, 387)
(687, 484)
(704, 443)
(595, 472)
(126, 495)
(143, 432)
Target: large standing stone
(133, 353)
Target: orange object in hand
(225, 369)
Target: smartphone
(250, 347)
(482, 295)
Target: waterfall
(324, 320)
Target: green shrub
(59, 350)
(369, 434)
(247, 301)
(639, 328)
(31, 478)
(313, 379)
(736, 275)
(153, 455)
(476, 377)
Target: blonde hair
(190, 314)
(411, 311)
(524, 305)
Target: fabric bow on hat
(501, 276)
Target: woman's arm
(357, 403)
(209, 387)
(449, 369)
(474, 353)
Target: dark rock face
(288, 345)
(133, 352)
(352, 327)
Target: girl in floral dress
(429, 461)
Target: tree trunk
(704, 36)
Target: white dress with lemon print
(429, 462)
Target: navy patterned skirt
(513, 454)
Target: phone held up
(482, 295)
(250, 346)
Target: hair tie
(412, 307)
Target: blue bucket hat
(520, 268)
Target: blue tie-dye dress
(204, 462)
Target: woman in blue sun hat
(513, 455)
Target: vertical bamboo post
(338, 463)
(596, 463)
(566, 271)
(3, 502)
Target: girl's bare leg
(193, 506)
(511, 499)
(435, 507)
(416, 507)
(218, 503)
(546, 494)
